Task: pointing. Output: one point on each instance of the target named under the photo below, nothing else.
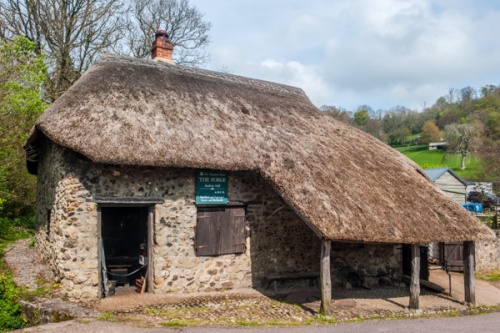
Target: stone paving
(249, 307)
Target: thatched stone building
(126, 156)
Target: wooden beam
(469, 285)
(126, 201)
(325, 277)
(415, 277)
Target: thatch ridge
(345, 184)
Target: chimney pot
(162, 47)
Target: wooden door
(220, 230)
(452, 256)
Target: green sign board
(211, 187)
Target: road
(488, 323)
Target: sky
(348, 53)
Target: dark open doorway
(124, 248)
(424, 263)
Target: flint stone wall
(488, 254)
(278, 241)
(366, 265)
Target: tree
(488, 90)
(460, 139)
(471, 120)
(467, 94)
(374, 128)
(430, 133)
(398, 117)
(73, 33)
(361, 117)
(489, 154)
(399, 122)
(22, 73)
(489, 149)
(372, 113)
(452, 93)
(336, 112)
(450, 115)
(399, 136)
(184, 24)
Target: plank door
(220, 230)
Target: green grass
(176, 323)
(107, 316)
(14, 229)
(428, 159)
(490, 276)
(248, 323)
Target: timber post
(415, 277)
(150, 269)
(325, 277)
(469, 285)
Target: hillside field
(427, 159)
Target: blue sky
(347, 53)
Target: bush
(4, 227)
(10, 311)
(16, 228)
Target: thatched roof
(345, 184)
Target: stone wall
(488, 254)
(67, 235)
(366, 264)
(278, 241)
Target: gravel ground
(243, 307)
(23, 261)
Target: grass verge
(10, 311)
(490, 276)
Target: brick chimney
(162, 47)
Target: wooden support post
(101, 273)
(469, 254)
(326, 279)
(415, 277)
(149, 280)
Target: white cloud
(390, 47)
(348, 53)
(272, 64)
(296, 74)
